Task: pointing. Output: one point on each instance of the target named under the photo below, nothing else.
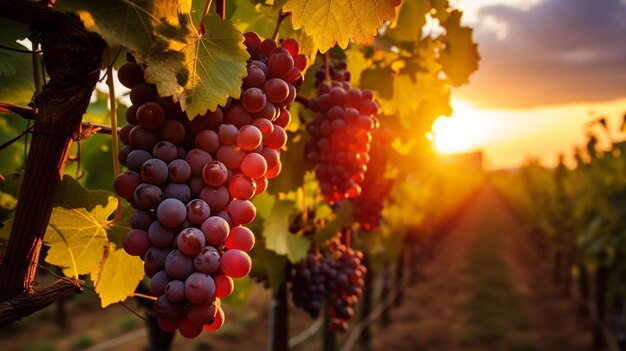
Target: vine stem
(304, 100)
(144, 296)
(220, 8)
(327, 66)
(279, 21)
(114, 136)
(205, 12)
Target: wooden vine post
(73, 61)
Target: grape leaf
(118, 277)
(9, 60)
(128, 23)
(460, 57)
(77, 235)
(277, 236)
(241, 293)
(207, 68)
(330, 22)
(291, 177)
(411, 19)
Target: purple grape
(178, 265)
(190, 241)
(207, 261)
(136, 158)
(197, 211)
(165, 151)
(179, 171)
(160, 235)
(148, 196)
(199, 288)
(175, 291)
(171, 212)
(177, 191)
(215, 230)
(158, 283)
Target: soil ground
(484, 289)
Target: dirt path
(485, 290)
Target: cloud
(558, 51)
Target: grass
(493, 314)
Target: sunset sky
(547, 68)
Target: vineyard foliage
(409, 54)
(577, 211)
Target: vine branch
(73, 60)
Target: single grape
(224, 285)
(172, 131)
(154, 171)
(228, 134)
(197, 211)
(215, 230)
(230, 155)
(207, 261)
(130, 74)
(216, 198)
(159, 282)
(254, 165)
(126, 183)
(175, 291)
(240, 238)
(177, 191)
(142, 138)
(147, 196)
(235, 263)
(241, 211)
(136, 158)
(214, 173)
(249, 137)
(136, 242)
(276, 90)
(141, 219)
(171, 212)
(253, 100)
(142, 93)
(154, 260)
(179, 171)
(160, 235)
(165, 151)
(237, 116)
(242, 187)
(197, 159)
(208, 141)
(178, 265)
(190, 241)
(199, 288)
(150, 115)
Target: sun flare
(458, 133)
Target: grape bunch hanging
(340, 134)
(368, 206)
(334, 276)
(191, 182)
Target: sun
(459, 133)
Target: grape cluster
(333, 276)
(191, 183)
(337, 72)
(369, 204)
(340, 135)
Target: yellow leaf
(338, 21)
(119, 276)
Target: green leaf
(77, 231)
(268, 265)
(119, 276)
(128, 23)
(330, 22)
(241, 294)
(277, 236)
(295, 165)
(460, 57)
(206, 69)
(341, 218)
(411, 19)
(10, 60)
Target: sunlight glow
(457, 133)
